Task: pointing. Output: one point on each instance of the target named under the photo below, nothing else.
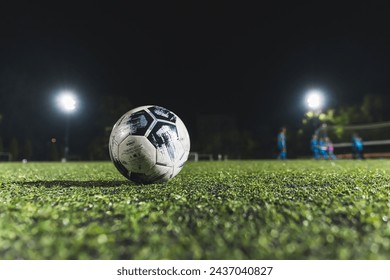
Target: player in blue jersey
(357, 147)
(281, 142)
(323, 149)
(314, 146)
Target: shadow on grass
(81, 184)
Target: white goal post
(361, 127)
(375, 137)
(366, 143)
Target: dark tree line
(216, 134)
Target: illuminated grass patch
(211, 210)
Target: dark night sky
(194, 57)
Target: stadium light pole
(315, 103)
(67, 102)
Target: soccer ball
(149, 144)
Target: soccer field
(298, 209)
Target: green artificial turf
(211, 210)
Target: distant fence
(194, 156)
(5, 156)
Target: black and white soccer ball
(149, 144)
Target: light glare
(67, 102)
(314, 100)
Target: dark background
(235, 63)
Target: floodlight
(67, 101)
(314, 99)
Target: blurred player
(314, 146)
(323, 148)
(330, 148)
(281, 142)
(357, 147)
